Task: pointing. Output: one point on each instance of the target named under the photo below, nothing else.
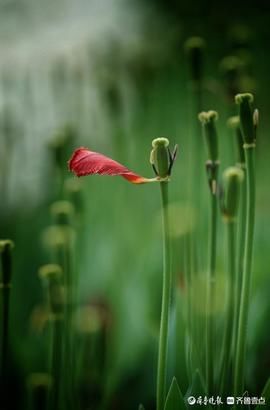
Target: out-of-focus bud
(232, 179)
(194, 47)
(234, 124)
(208, 120)
(51, 276)
(62, 212)
(6, 247)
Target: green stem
(56, 361)
(245, 293)
(69, 335)
(166, 291)
(211, 297)
(6, 291)
(63, 258)
(240, 256)
(5, 324)
(227, 345)
(6, 268)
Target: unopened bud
(73, 188)
(51, 276)
(208, 120)
(62, 212)
(160, 156)
(246, 116)
(234, 124)
(232, 179)
(194, 47)
(6, 247)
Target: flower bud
(232, 179)
(62, 212)
(6, 247)
(60, 143)
(160, 156)
(56, 236)
(73, 188)
(234, 124)
(246, 116)
(51, 275)
(194, 47)
(39, 385)
(208, 120)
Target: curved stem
(211, 297)
(227, 345)
(244, 303)
(166, 291)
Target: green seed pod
(6, 247)
(194, 47)
(160, 156)
(62, 212)
(246, 117)
(232, 179)
(208, 120)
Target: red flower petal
(85, 162)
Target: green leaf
(175, 400)
(141, 407)
(265, 394)
(197, 387)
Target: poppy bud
(39, 385)
(208, 120)
(160, 156)
(194, 47)
(232, 179)
(234, 124)
(62, 212)
(246, 116)
(51, 275)
(73, 188)
(6, 247)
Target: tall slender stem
(241, 247)
(230, 309)
(4, 353)
(6, 267)
(211, 297)
(210, 133)
(166, 291)
(56, 360)
(244, 303)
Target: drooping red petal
(84, 162)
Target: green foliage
(265, 394)
(197, 387)
(175, 400)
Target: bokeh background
(111, 76)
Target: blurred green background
(117, 75)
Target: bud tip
(160, 141)
(240, 98)
(206, 117)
